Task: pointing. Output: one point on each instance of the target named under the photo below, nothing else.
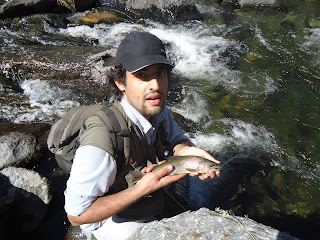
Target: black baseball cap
(139, 50)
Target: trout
(188, 164)
(181, 164)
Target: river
(249, 81)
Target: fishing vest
(140, 155)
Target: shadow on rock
(23, 203)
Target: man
(98, 196)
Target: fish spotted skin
(189, 164)
(181, 164)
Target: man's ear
(120, 85)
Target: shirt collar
(136, 116)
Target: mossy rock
(315, 23)
(217, 127)
(277, 194)
(100, 17)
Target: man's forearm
(110, 205)
(107, 206)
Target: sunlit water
(271, 76)
(198, 51)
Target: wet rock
(162, 11)
(24, 199)
(65, 66)
(100, 64)
(43, 62)
(100, 17)
(15, 8)
(76, 233)
(186, 125)
(18, 8)
(16, 147)
(252, 3)
(257, 2)
(143, 4)
(54, 225)
(206, 224)
(56, 20)
(21, 144)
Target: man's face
(146, 89)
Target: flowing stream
(248, 81)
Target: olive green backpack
(63, 139)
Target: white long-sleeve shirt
(94, 170)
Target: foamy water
(197, 50)
(192, 107)
(312, 43)
(240, 136)
(43, 103)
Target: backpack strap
(64, 134)
(114, 120)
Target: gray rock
(16, 147)
(143, 4)
(18, 8)
(24, 196)
(77, 233)
(162, 11)
(15, 8)
(257, 2)
(100, 64)
(206, 224)
(28, 180)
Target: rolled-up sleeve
(93, 172)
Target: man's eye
(141, 75)
(162, 73)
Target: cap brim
(139, 63)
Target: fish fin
(135, 180)
(133, 177)
(191, 169)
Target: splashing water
(44, 106)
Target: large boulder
(143, 4)
(16, 147)
(22, 144)
(257, 2)
(252, 3)
(18, 8)
(24, 200)
(100, 64)
(163, 11)
(206, 224)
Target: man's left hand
(185, 150)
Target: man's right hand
(110, 205)
(156, 180)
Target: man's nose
(154, 83)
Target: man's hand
(110, 205)
(184, 149)
(156, 180)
